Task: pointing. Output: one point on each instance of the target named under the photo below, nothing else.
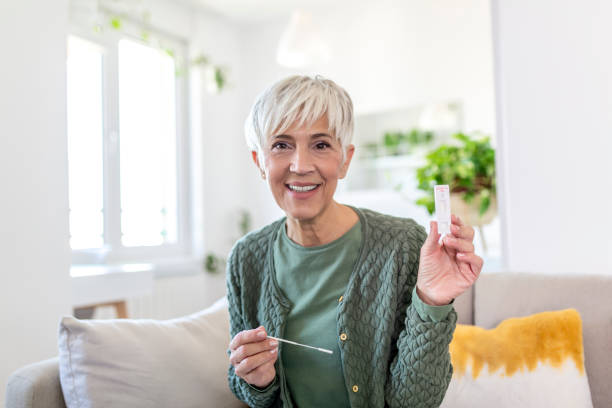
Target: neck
(325, 228)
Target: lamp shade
(301, 44)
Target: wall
(388, 55)
(221, 148)
(554, 87)
(34, 283)
(217, 153)
(34, 247)
(217, 159)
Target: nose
(301, 161)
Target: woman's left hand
(447, 270)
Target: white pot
(470, 213)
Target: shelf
(96, 284)
(393, 162)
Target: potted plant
(397, 143)
(469, 170)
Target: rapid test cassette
(443, 208)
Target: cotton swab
(303, 345)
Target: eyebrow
(313, 136)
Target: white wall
(217, 157)
(221, 145)
(217, 152)
(554, 87)
(34, 249)
(391, 54)
(388, 54)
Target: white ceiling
(260, 10)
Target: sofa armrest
(36, 386)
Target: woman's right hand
(253, 356)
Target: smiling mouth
(302, 189)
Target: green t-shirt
(313, 279)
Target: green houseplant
(469, 170)
(396, 142)
(216, 76)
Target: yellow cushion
(536, 360)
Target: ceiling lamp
(301, 44)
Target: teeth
(302, 189)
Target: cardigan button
(355, 388)
(340, 299)
(343, 336)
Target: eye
(280, 146)
(322, 145)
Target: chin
(304, 212)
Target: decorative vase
(470, 213)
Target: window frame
(114, 251)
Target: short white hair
(300, 100)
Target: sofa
(495, 297)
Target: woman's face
(302, 168)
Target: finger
(456, 220)
(451, 252)
(433, 231)
(432, 239)
(265, 371)
(465, 232)
(473, 260)
(458, 244)
(253, 362)
(248, 336)
(250, 349)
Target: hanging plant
(216, 76)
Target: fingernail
(261, 335)
(274, 350)
(273, 343)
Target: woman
(374, 289)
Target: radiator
(172, 297)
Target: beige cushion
(499, 296)
(147, 363)
(463, 307)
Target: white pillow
(147, 363)
(528, 362)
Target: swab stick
(303, 345)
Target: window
(126, 149)
(85, 144)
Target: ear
(350, 150)
(255, 159)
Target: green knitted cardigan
(393, 356)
